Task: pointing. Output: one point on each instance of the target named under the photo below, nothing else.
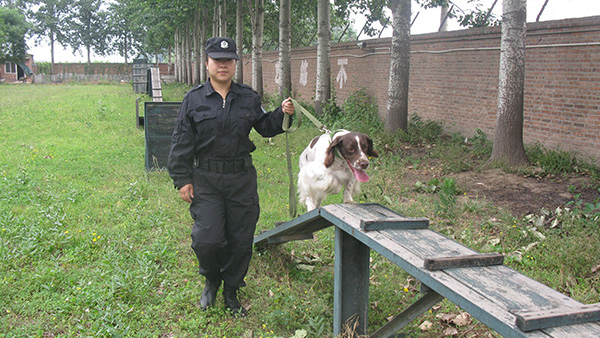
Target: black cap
(221, 48)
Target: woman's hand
(187, 192)
(287, 106)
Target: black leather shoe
(209, 295)
(232, 304)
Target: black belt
(223, 166)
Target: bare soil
(516, 193)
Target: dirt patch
(523, 195)
(518, 194)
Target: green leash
(288, 128)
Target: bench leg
(351, 284)
(411, 313)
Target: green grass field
(91, 245)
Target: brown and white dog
(331, 163)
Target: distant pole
(541, 11)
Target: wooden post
(351, 284)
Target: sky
(428, 21)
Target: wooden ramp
(506, 301)
(154, 87)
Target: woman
(210, 164)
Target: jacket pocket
(205, 121)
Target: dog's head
(355, 149)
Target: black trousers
(225, 210)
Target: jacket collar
(209, 90)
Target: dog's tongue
(360, 175)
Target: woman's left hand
(287, 106)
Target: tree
(257, 45)
(88, 28)
(478, 17)
(13, 30)
(508, 136)
(285, 66)
(49, 22)
(124, 28)
(239, 39)
(397, 108)
(323, 82)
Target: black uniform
(211, 149)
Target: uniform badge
(224, 44)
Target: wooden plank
(394, 223)
(450, 262)
(306, 223)
(411, 313)
(289, 238)
(536, 320)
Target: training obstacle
(508, 302)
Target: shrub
(359, 113)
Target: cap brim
(223, 55)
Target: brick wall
(454, 80)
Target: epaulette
(198, 87)
(245, 86)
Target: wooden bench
(503, 299)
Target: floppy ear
(370, 151)
(330, 152)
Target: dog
(332, 162)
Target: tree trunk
(52, 56)
(508, 146)
(239, 40)
(223, 18)
(323, 82)
(257, 46)
(196, 42)
(125, 48)
(285, 67)
(443, 18)
(203, 38)
(177, 56)
(397, 106)
(186, 55)
(215, 23)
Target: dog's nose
(364, 164)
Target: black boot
(209, 295)
(232, 304)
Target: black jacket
(210, 127)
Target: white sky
(428, 21)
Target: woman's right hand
(187, 192)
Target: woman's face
(220, 70)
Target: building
(12, 72)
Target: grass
(92, 245)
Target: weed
(446, 190)
(553, 161)
(420, 131)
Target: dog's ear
(330, 152)
(370, 151)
